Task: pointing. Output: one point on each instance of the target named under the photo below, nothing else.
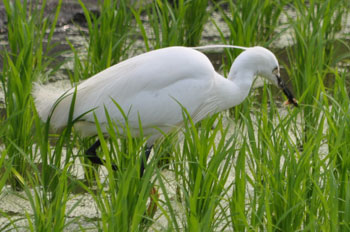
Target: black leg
(144, 159)
(92, 155)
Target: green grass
(251, 22)
(108, 38)
(180, 23)
(121, 196)
(25, 61)
(263, 168)
(201, 167)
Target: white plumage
(152, 85)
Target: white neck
(243, 79)
(233, 90)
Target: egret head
(265, 64)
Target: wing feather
(150, 85)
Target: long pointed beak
(286, 91)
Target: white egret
(153, 86)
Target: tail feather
(45, 98)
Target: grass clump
(314, 44)
(24, 62)
(125, 199)
(178, 23)
(251, 22)
(47, 185)
(201, 168)
(108, 38)
(336, 110)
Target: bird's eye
(275, 71)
